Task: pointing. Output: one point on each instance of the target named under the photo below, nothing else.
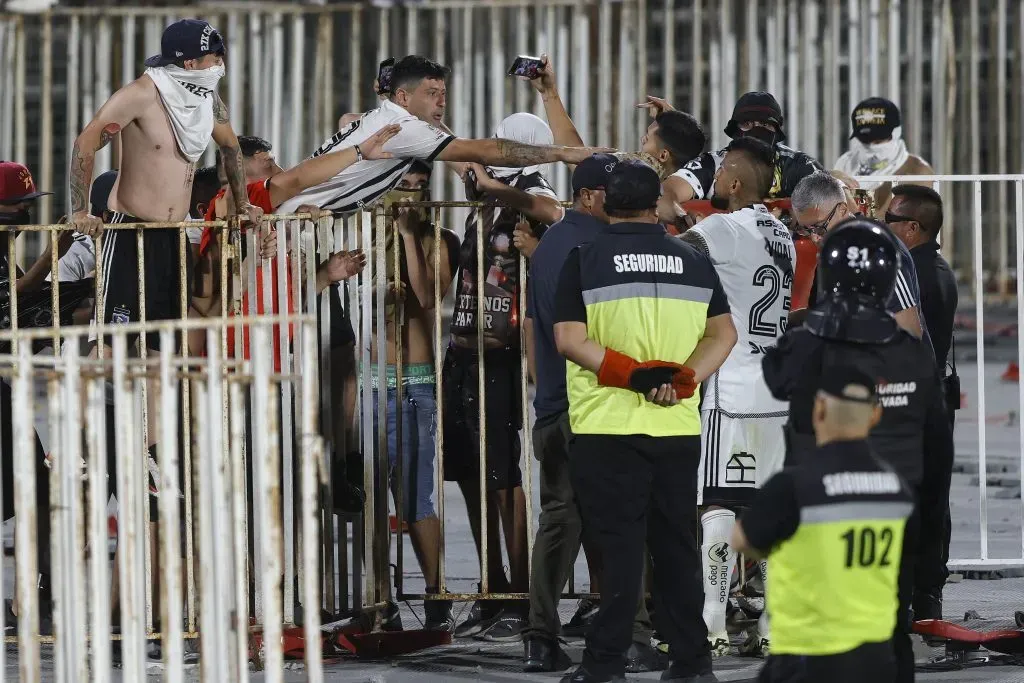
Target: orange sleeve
(806, 262)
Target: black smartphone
(384, 76)
(529, 67)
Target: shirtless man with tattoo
(165, 120)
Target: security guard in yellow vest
(642, 319)
(833, 529)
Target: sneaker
(482, 615)
(507, 628)
(719, 644)
(391, 618)
(438, 615)
(754, 645)
(577, 627)
(642, 657)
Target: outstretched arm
(316, 170)
(540, 208)
(227, 141)
(501, 152)
(121, 109)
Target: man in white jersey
(742, 424)
(417, 102)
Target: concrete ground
(479, 661)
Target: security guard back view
(850, 326)
(843, 512)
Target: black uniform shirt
(939, 296)
(908, 388)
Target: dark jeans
(559, 534)
(871, 662)
(631, 489)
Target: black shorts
(119, 288)
(503, 383)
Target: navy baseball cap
(99, 195)
(632, 186)
(875, 119)
(592, 173)
(187, 39)
(849, 383)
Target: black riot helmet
(857, 269)
(858, 259)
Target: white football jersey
(364, 182)
(754, 256)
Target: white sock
(717, 560)
(762, 621)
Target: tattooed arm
(501, 152)
(121, 109)
(227, 141)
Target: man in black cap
(850, 325)
(877, 148)
(758, 115)
(559, 533)
(165, 120)
(642, 319)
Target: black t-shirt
(939, 297)
(791, 167)
(501, 271)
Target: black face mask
(20, 217)
(719, 202)
(765, 135)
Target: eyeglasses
(821, 227)
(891, 218)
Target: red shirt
(259, 195)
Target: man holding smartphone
(417, 101)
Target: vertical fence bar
(380, 509)
(481, 401)
(236, 35)
(412, 29)
(71, 497)
(581, 83)
(832, 82)
(439, 352)
(853, 57)
(277, 76)
(170, 516)
(639, 84)
(810, 107)
(974, 87)
(240, 526)
(625, 129)
(751, 48)
(257, 99)
(892, 47)
(355, 59)
(128, 490)
(25, 541)
(46, 127)
(915, 19)
(99, 567)
(287, 453)
(102, 81)
(497, 58)
(7, 45)
(696, 59)
(668, 65)
(311, 454)
(979, 302)
(366, 233)
(57, 515)
(1018, 188)
(604, 75)
(297, 124)
(20, 100)
(265, 463)
(1002, 87)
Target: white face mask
(207, 78)
(883, 151)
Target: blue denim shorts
(419, 424)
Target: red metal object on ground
(390, 643)
(1012, 373)
(1005, 640)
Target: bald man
(833, 527)
(741, 423)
